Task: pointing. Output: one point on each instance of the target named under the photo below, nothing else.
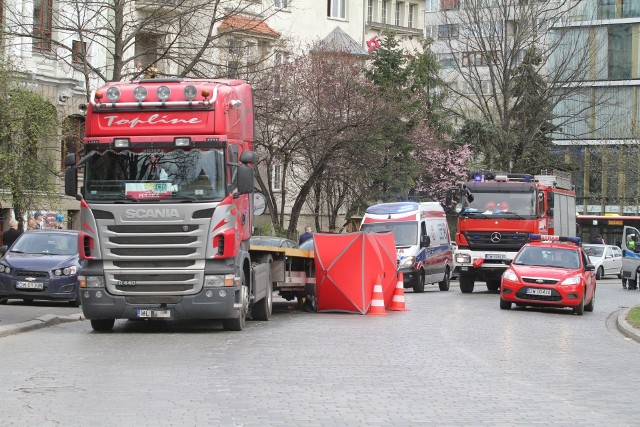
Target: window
(431, 31)
(233, 165)
(397, 19)
(449, 4)
(477, 59)
(276, 177)
(385, 5)
(448, 31)
(233, 68)
(337, 9)
(369, 10)
(432, 6)
(412, 16)
(147, 47)
(447, 60)
(280, 4)
(620, 56)
(72, 134)
(78, 51)
(42, 25)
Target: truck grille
(496, 240)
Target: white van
(423, 243)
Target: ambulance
(422, 240)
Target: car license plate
(30, 285)
(494, 256)
(164, 314)
(534, 291)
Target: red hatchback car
(550, 271)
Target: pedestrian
(38, 218)
(10, 235)
(598, 240)
(306, 235)
(31, 224)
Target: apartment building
(65, 48)
(603, 138)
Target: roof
(339, 41)
(249, 25)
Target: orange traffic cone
(397, 303)
(377, 302)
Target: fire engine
(166, 204)
(497, 212)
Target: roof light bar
(553, 238)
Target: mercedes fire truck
(497, 212)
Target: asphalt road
(453, 359)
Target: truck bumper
(409, 276)
(210, 303)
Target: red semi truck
(497, 212)
(166, 205)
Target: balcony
(398, 29)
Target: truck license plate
(30, 285)
(534, 291)
(494, 256)
(147, 314)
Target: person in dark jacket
(306, 235)
(10, 235)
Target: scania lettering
(497, 212)
(166, 206)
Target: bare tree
(488, 42)
(125, 39)
(323, 110)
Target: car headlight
(91, 281)
(463, 258)
(511, 276)
(408, 261)
(5, 269)
(575, 280)
(67, 271)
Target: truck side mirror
(425, 241)
(245, 179)
(3, 250)
(70, 175)
(248, 157)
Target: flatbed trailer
(292, 271)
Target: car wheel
(238, 322)
(418, 287)
(493, 284)
(466, 283)
(446, 282)
(505, 305)
(599, 273)
(102, 325)
(579, 309)
(589, 307)
(263, 309)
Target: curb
(625, 328)
(40, 322)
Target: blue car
(41, 265)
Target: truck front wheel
(466, 283)
(102, 325)
(493, 284)
(238, 322)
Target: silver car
(606, 258)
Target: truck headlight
(91, 281)
(463, 258)
(407, 262)
(219, 280)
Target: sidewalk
(40, 322)
(625, 328)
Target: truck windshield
(512, 205)
(179, 174)
(405, 233)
